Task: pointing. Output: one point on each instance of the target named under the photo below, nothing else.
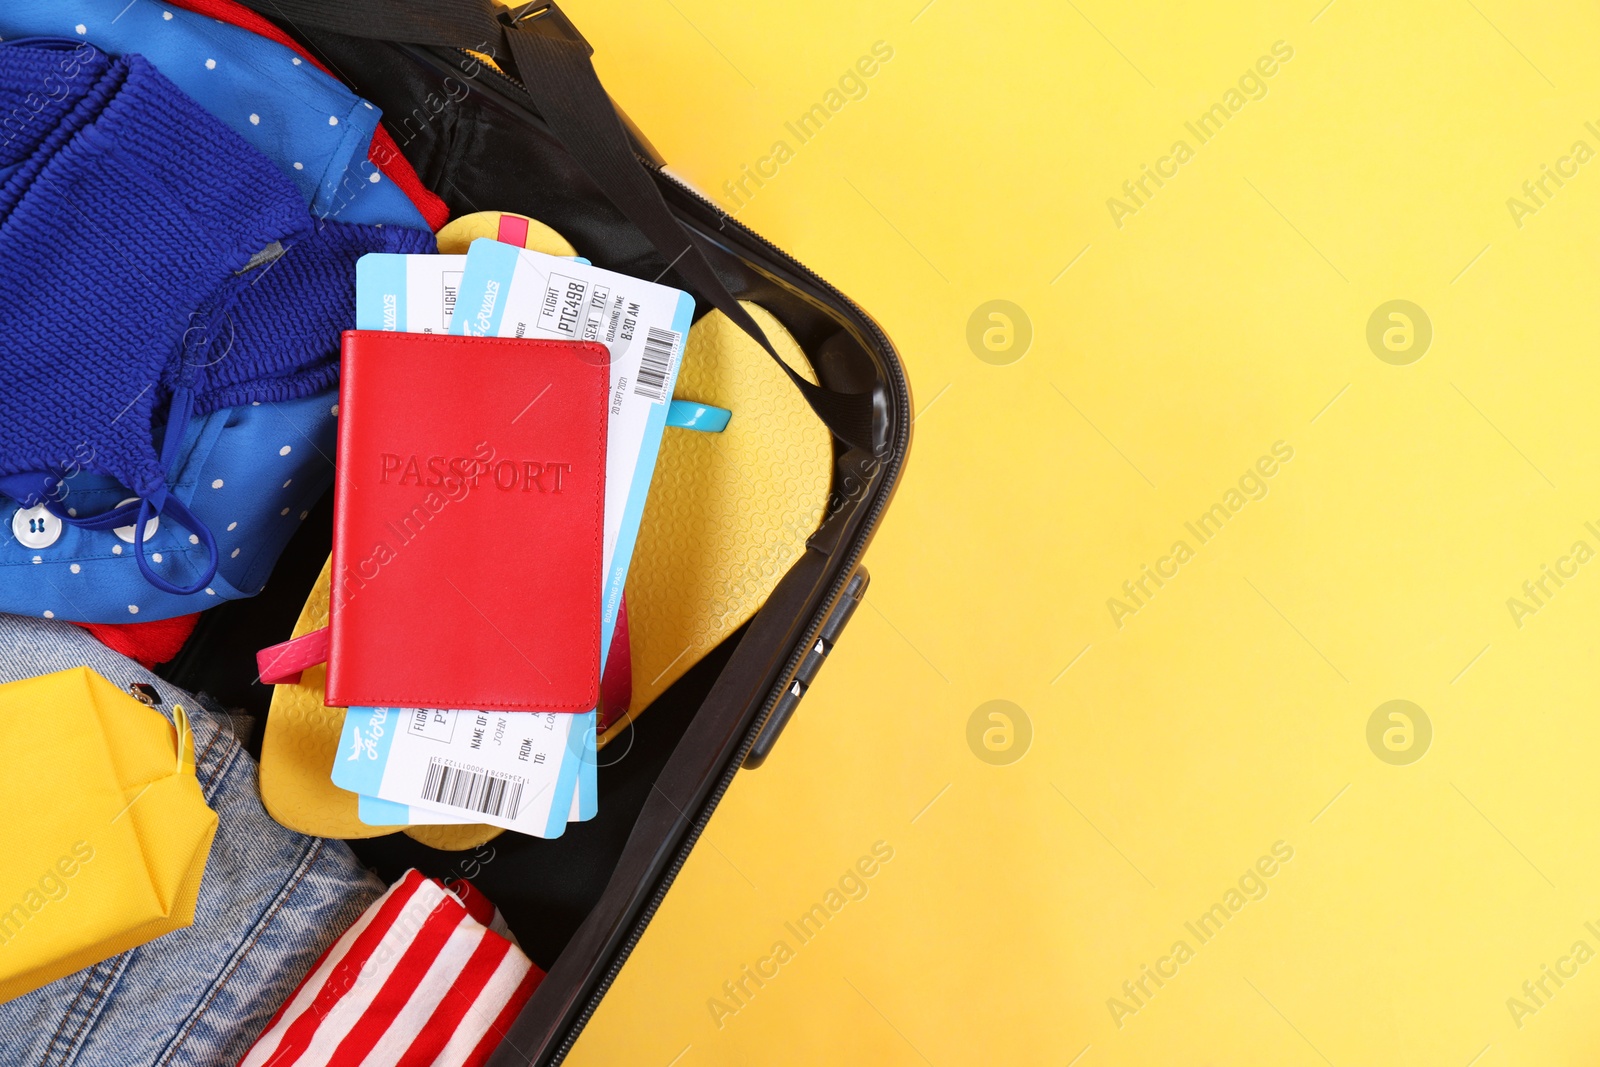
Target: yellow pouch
(107, 833)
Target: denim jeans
(270, 901)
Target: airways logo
(506, 474)
(367, 745)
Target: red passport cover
(468, 523)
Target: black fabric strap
(552, 61)
(440, 23)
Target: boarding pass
(413, 294)
(515, 292)
(499, 768)
(407, 293)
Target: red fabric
(384, 153)
(426, 1048)
(346, 972)
(396, 990)
(417, 981)
(495, 1035)
(148, 643)
(480, 907)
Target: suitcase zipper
(494, 69)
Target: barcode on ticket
(472, 789)
(656, 366)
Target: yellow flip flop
(302, 733)
(728, 512)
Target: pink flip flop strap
(282, 663)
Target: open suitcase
(538, 136)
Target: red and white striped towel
(417, 981)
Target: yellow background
(1229, 713)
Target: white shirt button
(36, 527)
(125, 533)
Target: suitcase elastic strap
(552, 62)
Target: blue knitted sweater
(148, 253)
